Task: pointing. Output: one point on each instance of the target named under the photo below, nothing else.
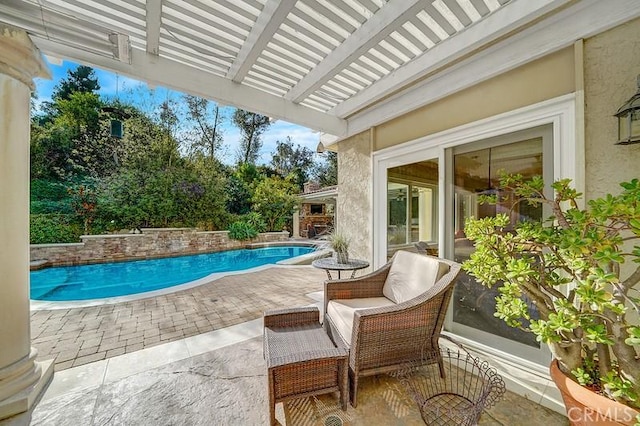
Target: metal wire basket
(452, 387)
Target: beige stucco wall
(611, 64)
(354, 204)
(545, 78)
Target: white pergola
(336, 66)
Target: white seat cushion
(410, 275)
(342, 312)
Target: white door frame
(523, 376)
(568, 156)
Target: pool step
(38, 264)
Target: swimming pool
(102, 280)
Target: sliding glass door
(424, 191)
(412, 206)
(476, 170)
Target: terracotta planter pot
(587, 408)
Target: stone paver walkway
(82, 335)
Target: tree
(82, 79)
(581, 297)
(79, 111)
(141, 180)
(288, 160)
(73, 143)
(50, 148)
(168, 120)
(142, 146)
(70, 139)
(251, 127)
(207, 134)
(84, 202)
(93, 150)
(240, 188)
(275, 199)
(326, 173)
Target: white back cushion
(411, 274)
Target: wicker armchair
(386, 335)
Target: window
(316, 208)
(412, 205)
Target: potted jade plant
(579, 270)
(340, 245)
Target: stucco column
(21, 377)
(295, 231)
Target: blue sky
(112, 85)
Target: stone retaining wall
(151, 243)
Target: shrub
(48, 190)
(53, 228)
(50, 206)
(49, 197)
(256, 220)
(242, 231)
(571, 268)
(275, 199)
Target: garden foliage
(166, 170)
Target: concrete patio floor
(228, 387)
(218, 377)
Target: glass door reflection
(412, 207)
(475, 173)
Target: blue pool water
(123, 278)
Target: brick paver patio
(83, 335)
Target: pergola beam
(154, 19)
(494, 26)
(161, 71)
(579, 21)
(383, 23)
(268, 22)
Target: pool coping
(298, 261)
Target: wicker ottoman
(301, 359)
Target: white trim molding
(560, 112)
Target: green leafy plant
(275, 199)
(242, 231)
(84, 202)
(579, 269)
(256, 220)
(53, 228)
